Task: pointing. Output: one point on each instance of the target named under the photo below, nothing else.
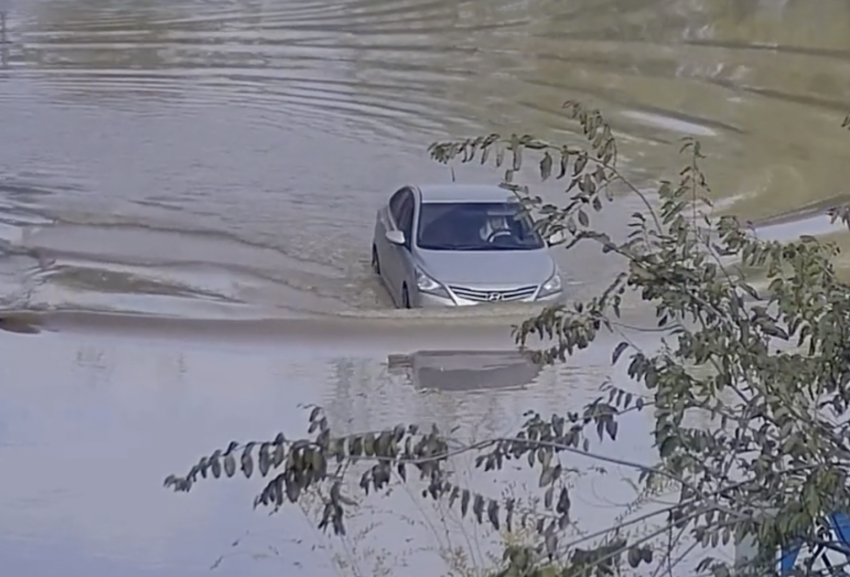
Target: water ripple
(279, 129)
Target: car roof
(453, 192)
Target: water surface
(226, 158)
(91, 424)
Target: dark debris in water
(21, 324)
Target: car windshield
(476, 226)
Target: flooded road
(226, 158)
(86, 439)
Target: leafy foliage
(769, 364)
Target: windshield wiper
(481, 247)
(454, 247)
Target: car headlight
(551, 286)
(426, 284)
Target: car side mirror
(395, 236)
(556, 238)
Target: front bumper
(426, 300)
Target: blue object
(840, 525)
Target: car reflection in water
(466, 370)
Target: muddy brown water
(223, 160)
(226, 158)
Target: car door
(400, 266)
(387, 220)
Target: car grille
(516, 294)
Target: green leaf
(668, 446)
(546, 166)
(611, 428)
(315, 413)
(493, 514)
(264, 459)
(618, 350)
(355, 445)
(478, 508)
(564, 164)
(278, 455)
(229, 464)
(580, 163)
(583, 220)
(634, 557)
(516, 150)
(564, 502)
(369, 444)
(547, 476)
(247, 461)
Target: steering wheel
(496, 234)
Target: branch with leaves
(318, 464)
(768, 365)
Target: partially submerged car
(461, 244)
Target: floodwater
(226, 158)
(222, 160)
(89, 429)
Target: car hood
(488, 268)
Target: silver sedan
(460, 244)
